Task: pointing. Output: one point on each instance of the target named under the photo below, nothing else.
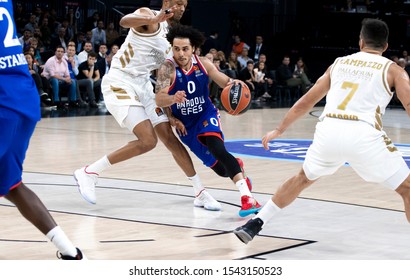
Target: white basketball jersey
(359, 88)
(141, 53)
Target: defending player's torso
(141, 53)
(18, 91)
(359, 88)
(195, 84)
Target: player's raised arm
(144, 17)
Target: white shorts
(122, 91)
(367, 150)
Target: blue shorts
(208, 125)
(15, 134)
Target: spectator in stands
(25, 39)
(92, 22)
(98, 36)
(247, 75)
(35, 51)
(238, 45)
(82, 56)
(257, 49)
(79, 41)
(211, 42)
(262, 81)
(223, 63)
(111, 34)
(103, 60)
(285, 76)
(244, 58)
(233, 63)
(35, 74)
(60, 40)
(56, 71)
(300, 71)
(69, 30)
(45, 33)
(31, 24)
(72, 62)
(89, 70)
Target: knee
(149, 142)
(404, 189)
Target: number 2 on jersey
(353, 87)
(9, 41)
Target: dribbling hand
(179, 96)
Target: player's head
(374, 34)
(184, 40)
(180, 9)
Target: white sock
(197, 184)
(61, 241)
(243, 187)
(99, 166)
(267, 211)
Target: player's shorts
(208, 125)
(367, 150)
(15, 134)
(121, 91)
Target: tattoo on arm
(164, 76)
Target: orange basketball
(236, 99)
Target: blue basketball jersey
(195, 84)
(198, 113)
(18, 91)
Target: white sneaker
(86, 184)
(207, 201)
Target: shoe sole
(79, 189)
(242, 235)
(244, 213)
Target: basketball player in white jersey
(129, 97)
(358, 88)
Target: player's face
(179, 12)
(182, 51)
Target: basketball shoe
(78, 257)
(248, 180)
(249, 206)
(86, 182)
(204, 199)
(248, 231)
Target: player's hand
(166, 14)
(269, 136)
(180, 127)
(179, 96)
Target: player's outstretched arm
(144, 17)
(300, 108)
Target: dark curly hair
(183, 31)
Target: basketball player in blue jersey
(358, 88)
(182, 84)
(19, 113)
(129, 97)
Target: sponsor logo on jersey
(159, 111)
(205, 123)
(286, 149)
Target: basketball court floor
(145, 209)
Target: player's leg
(14, 139)
(404, 191)
(31, 207)
(137, 122)
(217, 148)
(184, 161)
